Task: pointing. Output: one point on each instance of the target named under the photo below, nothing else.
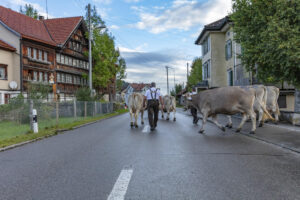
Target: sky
(150, 34)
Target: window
(46, 77)
(3, 72)
(29, 52)
(41, 76)
(63, 78)
(230, 77)
(34, 53)
(58, 78)
(68, 78)
(206, 46)
(40, 55)
(45, 56)
(62, 58)
(35, 76)
(228, 50)
(206, 70)
(58, 57)
(74, 62)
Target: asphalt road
(173, 162)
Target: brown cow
(228, 101)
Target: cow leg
(131, 116)
(174, 112)
(242, 123)
(260, 117)
(136, 115)
(142, 117)
(214, 119)
(253, 119)
(204, 118)
(229, 124)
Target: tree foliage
(29, 11)
(196, 73)
(107, 62)
(268, 31)
(178, 88)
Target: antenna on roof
(47, 8)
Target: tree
(178, 88)
(107, 62)
(268, 31)
(29, 11)
(196, 73)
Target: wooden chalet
(52, 51)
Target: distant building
(135, 87)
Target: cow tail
(264, 108)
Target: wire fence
(16, 117)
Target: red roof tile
(61, 28)
(6, 46)
(137, 87)
(26, 26)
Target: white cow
(135, 106)
(169, 106)
(272, 101)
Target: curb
(60, 131)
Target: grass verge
(54, 130)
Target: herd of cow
(230, 100)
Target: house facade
(9, 63)
(220, 63)
(51, 52)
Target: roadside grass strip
(21, 137)
(120, 188)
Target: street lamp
(90, 47)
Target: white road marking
(120, 188)
(146, 128)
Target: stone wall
(297, 100)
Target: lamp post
(90, 47)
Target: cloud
(182, 15)
(132, 1)
(103, 1)
(146, 67)
(114, 27)
(15, 4)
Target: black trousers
(194, 114)
(153, 108)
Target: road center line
(145, 129)
(120, 188)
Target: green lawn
(12, 132)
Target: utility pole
(174, 80)
(47, 8)
(167, 68)
(90, 49)
(187, 72)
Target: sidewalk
(284, 135)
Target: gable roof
(137, 87)
(214, 26)
(4, 45)
(60, 29)
(50, 31)
(28, 27)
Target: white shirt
(152, 90)
(191, 93)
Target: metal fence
(15, 117)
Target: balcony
(202, 84)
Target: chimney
(41, 17)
